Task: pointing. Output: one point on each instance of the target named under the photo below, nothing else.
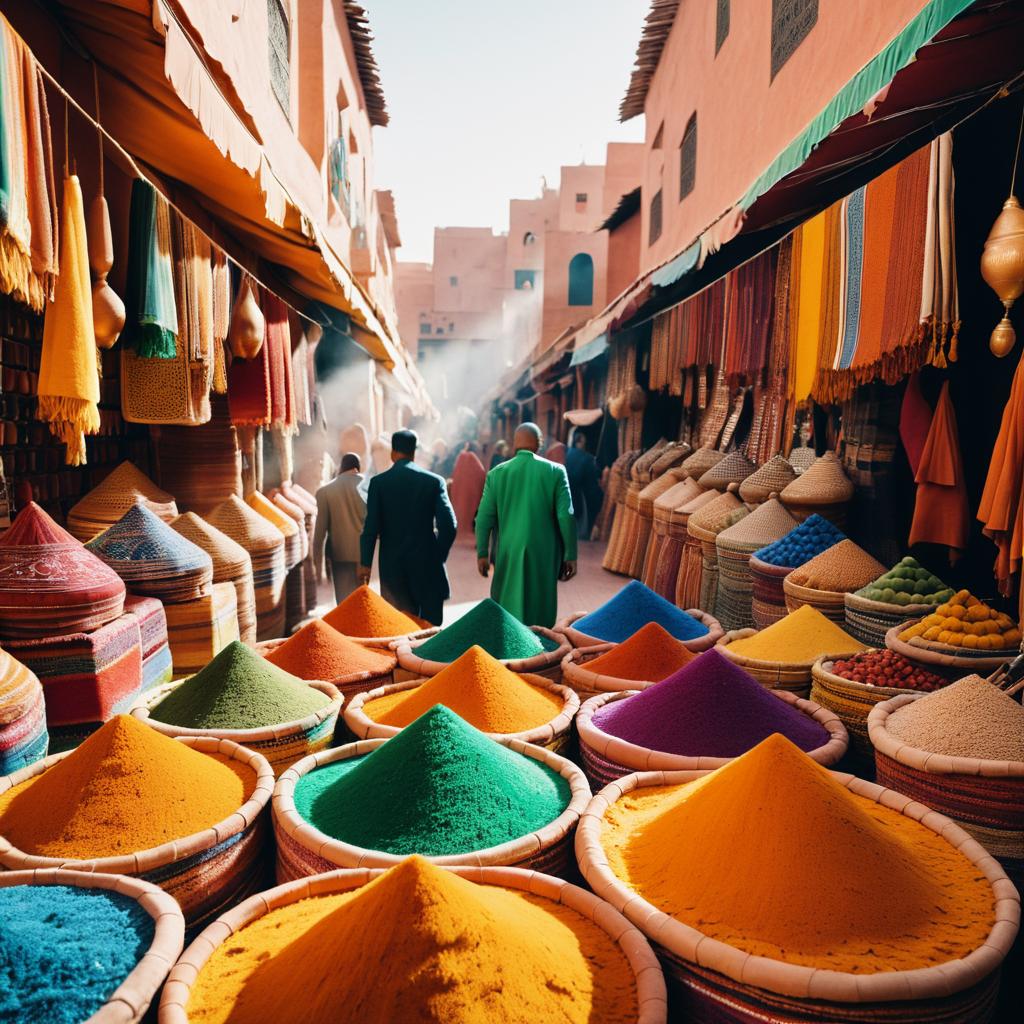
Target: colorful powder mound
(479, 689)
(650, 654)
(688, 850)
(126, 788)
(709, 708)
(489, 626)
(364, 613)
(814, 535)
(801, 637)
(632, 607)
(318, 651)
(64, 951)
(238, 690)
(418, 944)
(438, 788)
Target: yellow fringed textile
(808, 335)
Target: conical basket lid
(770, 479)
(766, 523)
(801, 459)
(262, 505)
(229, 557)
(697, 464)
(140, 544)
(245, 526)
(678, 495)
(106, 503)
(672, 456)
(733, 469)
(825, 483)
(715, 515)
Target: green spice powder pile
(489, 626)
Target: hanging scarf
(221, 319)
(808, 316)
(278, 340)
(69, 388)
(151, 327)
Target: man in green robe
(526, 502)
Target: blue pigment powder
(64, 951)
(633, 607)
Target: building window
(792, 21)
(581, 280)
(451, 326)
(425, 328)
(688, 158)
(453, 281)
(440, 330)
(279, 36)
(581, 198)
(525, 279)
(341, 187)
(655, 228)
(529, 238)
(721, 24)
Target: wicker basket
(870, 621)
(948, 662)
(607, 758)
(770, 479)
(670, 557)
(650, 982)
(348, 685)
(768, 600)
(823, 488)
(204, 872)
(547, 663)
(702, 526)
(719, 983)
(586, 683)
(640, 550)
(733, 469)
(985, 797)
(303, 849)
(130, 1000)
(831, 603)
(389, 643)
(776, 675)
(665, 509)
(282, 745)
(579, 639)
(553, 735)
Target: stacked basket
(733, 469)
(802, 458)
(670, 558)
(770, 479)
(642, 546)
(294, 542)
(23, 736)
(826, 579)
(351, 683)
(679, 494)
(295, 584)
(699, 568)
(627, 516)
(823, 488)
(615, 495)
(106, 503)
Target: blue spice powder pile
(633, 607)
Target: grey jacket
(340, 514)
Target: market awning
(590, 350)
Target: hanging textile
(151, 327)
(751, 292)
(941, 515)
(69, 388)
(915, 421)
(278, 340)
(811, 272)
(249, 390)
(940, 308)
(221, 285)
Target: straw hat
(824, 483)
(770, 479)
(106, 503)
(733, 469)
(697, 464)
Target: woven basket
(768, 601)
(943, 660)
(348, 685)
(547, 663)
(697, 464)
(25, 739)
(831, 603)
(720, 983)
(649, 980)
(607, 758)
(130, 1000)
(665, 512)
(776, 675)
(985, 797)
(282, 745)
(633, 534)
(389, 643)
(587, 683)
(303, 849)
(770, 479)
(824, 488)
(733, 469)
(697, 582)
(870, 621)
(640, 553)
(579, 639)
(204, 872)
(671, 555)
(553, 735)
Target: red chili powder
(319, 652)
(364, 613)
(650, 655)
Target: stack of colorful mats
(699, 567)
(231, 564)
(735, 545)
(201, 629)
(23, 736)
(294, 538)
(49, 583)
(105, 504)
(679, 494)
(265, 544)
(824, 488)
(157, 664)
(770, 479)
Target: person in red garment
(466, 489)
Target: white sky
(488, 96)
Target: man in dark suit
(408, 509)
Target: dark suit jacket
(408, 509)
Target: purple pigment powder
(709, 708)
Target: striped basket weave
(554, 735)
(767, 599)
(640, 549)
(205, 872)
(651, 996)
(304, 850)
(129, 1002)
(667, 574)
(823, 488)
(199, 630)
(870, 621)
(716, 982)
(607, 758)
(665, 506)
(702, 527)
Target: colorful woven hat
(733, 469)
(770, 479)
(106, 503)
(824, 483)
(697, 464)
(23, 736)
(158, 562)
(49, 583)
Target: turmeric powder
(802, 636)
(829, 879)
(418, 943)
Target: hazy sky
(487, 96)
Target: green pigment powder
(439, 787)
(238, 690)
(488, 625)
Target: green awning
(591, 350)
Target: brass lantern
(1002, 267)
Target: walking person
(466, 488)
(527, 501)
(340, 514)
(408, 510)
(584, 483)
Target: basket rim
(767, 568)
(386, 642)
(862, 604)
(644, 759)
(412, 662)
(364, 727)
(944, 654)
(263, 734)
(144, 980)
(265, 647)
(796, 980)
(148, 860)
(574, 671)
(742, 660)
(819, 671)
(923, 760)
(698, 644)
(651, 991)
(287, 818)
(811, 595)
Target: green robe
(526, 501)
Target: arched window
(581, 280)
(529, 238)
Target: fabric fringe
(69, 420)
(151, 341)
(17, 278)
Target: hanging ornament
(245, 334)
(1002, 261)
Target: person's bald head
(528, 438)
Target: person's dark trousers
(396, 591)
(345, 581)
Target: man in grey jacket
(340, 514)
